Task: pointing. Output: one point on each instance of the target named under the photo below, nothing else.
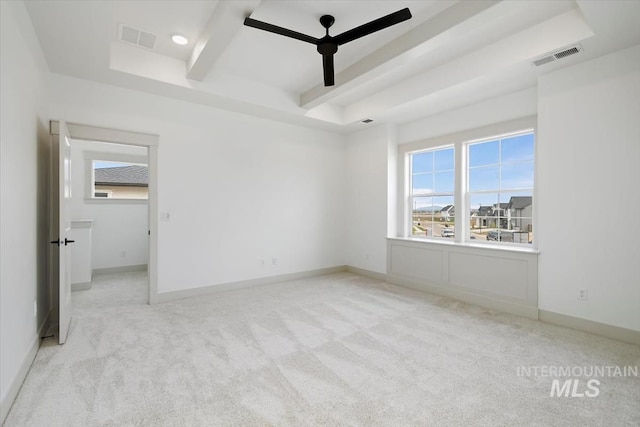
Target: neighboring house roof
(448, 208)
(485, 210)
(135, 176)
(520, 202)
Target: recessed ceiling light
(178, 39)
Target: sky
(498, 169)
(99, 164)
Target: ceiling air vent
(557, 55)
(136, 37)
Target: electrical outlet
(35, 308)
(261, 260)
(165, 216)
(583, 295)
(123, 254)
(274, 261)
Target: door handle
(66, 241)
(55, 242)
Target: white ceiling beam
(411, 44)
(557, 32)
(226, 20)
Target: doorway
(109, 213)
(114, 139)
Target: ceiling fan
(328, 45)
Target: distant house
(490, 216)
(447, 213)
(123, 182)
(485, 211)
(485, 217)
(520, 213)
(500, 210)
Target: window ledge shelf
(481, 246)
(113, 200)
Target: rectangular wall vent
(136, 37)
(557, 55)
(567, 52)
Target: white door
(64, 228)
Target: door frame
(151, 141)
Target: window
(500, 188)
(432, 192)
(465, 188)
(115, 177)
(120, 180)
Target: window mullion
(460, 231)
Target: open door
(61, 191)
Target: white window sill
(483, 246)
(115, 201)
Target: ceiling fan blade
(327, 66)
(373, 26)
(279, 30)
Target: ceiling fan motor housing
(326, 46)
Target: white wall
(367, 159)
(494, 110)
(24, 160)
(238, 188)
(588, 189)
(117, 226)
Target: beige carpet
(333, 350)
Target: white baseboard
(367, 273)
(16, 384)
(493, 303)
(208, 290)
(529, 311)
(83, 286)
(123, 269)
(597, 328)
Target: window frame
(460, 141)
(468, 193)
(412, 196)
(92, 156)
